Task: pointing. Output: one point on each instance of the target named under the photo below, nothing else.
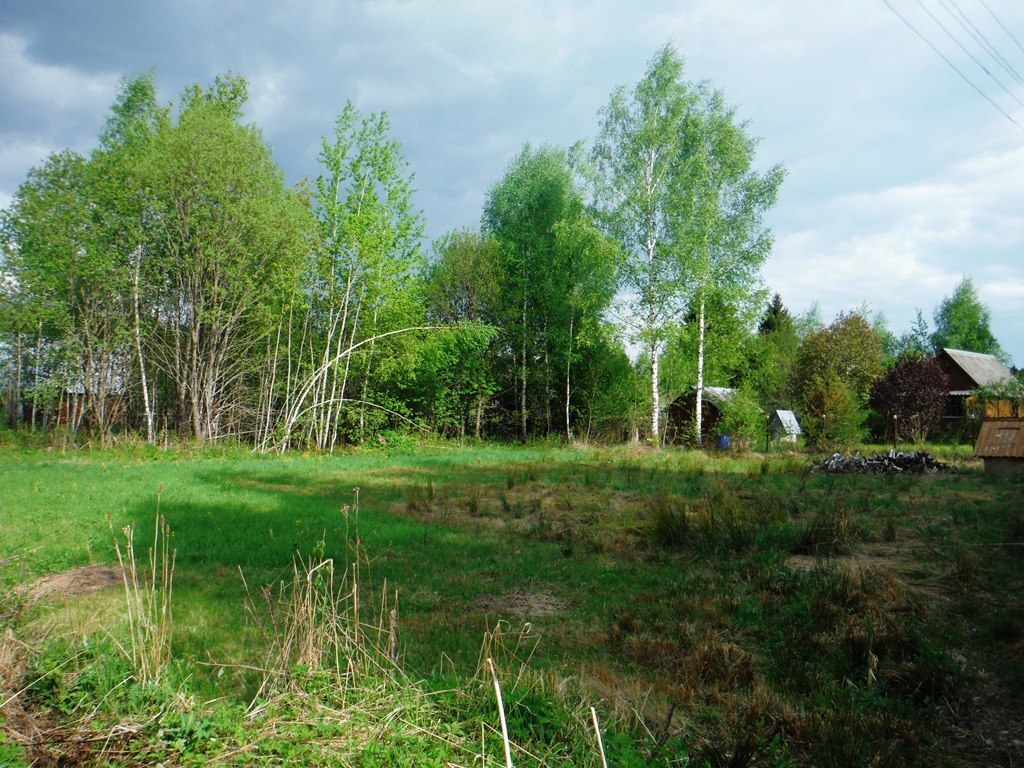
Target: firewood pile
(891, 463)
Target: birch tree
(664, 172)
(362, 284)
(555, 268)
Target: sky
(900, 122)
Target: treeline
(170, 284)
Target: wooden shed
(783, 426)
(1001, 446)
(681, 415)
(968, 372)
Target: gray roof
(985, 370)
(719, 394)
(785, 421)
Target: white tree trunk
(699, 420)
(138, 347)
(655, 405)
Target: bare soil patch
(519, 604)
(74, 583)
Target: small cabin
(968, 372)
(1000, 446)
(783, 427)
(714, 403)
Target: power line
(1002, 25)
(952, 65)
(981, 39)
(972, 57)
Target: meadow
(733, 609)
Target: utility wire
(981, 39)
(952, 65)
(972, 57)
(1002, 25)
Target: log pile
(891, 463)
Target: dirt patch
(47, 741)
(74, 583)
(519, 604)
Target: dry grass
(148, 597)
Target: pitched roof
(785, 421)
(719, 394)
(984, 370)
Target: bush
(912, 394)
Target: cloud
(901, 178)
(55, 87)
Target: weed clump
(721, 522)
(832, 531)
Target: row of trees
(853, 376)
(170, 282)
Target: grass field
(716, 610)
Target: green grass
(800, 617)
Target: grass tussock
(148, 597)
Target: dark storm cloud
(896, 167)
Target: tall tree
(463, 285)
(228, 246)
(67, 275)
(585, 279)
(672, 182)
(916, 341)
(962, 321)
(833, 373)
(363, 282)
(772, 354)
(521, 213)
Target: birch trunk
(655, 404)
(699, 416)
(138, 346)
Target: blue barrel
(724, 441)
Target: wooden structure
(783, 426)
(968, 372)
(1000, 445)
(679, 429)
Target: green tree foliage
(70, 283)
(462, 286)
(167, 249)
(556, 281)
(672, 182)
(911, 395)
(832, 377)
(962, 322)
(772, 353)
(727, 331)
(363, 286)
(916, 341)
(227, 246)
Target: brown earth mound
(73, 583)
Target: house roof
(719, 394)
(984, 370)
(785, 421)
(1002, 438)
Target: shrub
(913, 394)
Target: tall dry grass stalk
(148, 599)
(318, 623)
